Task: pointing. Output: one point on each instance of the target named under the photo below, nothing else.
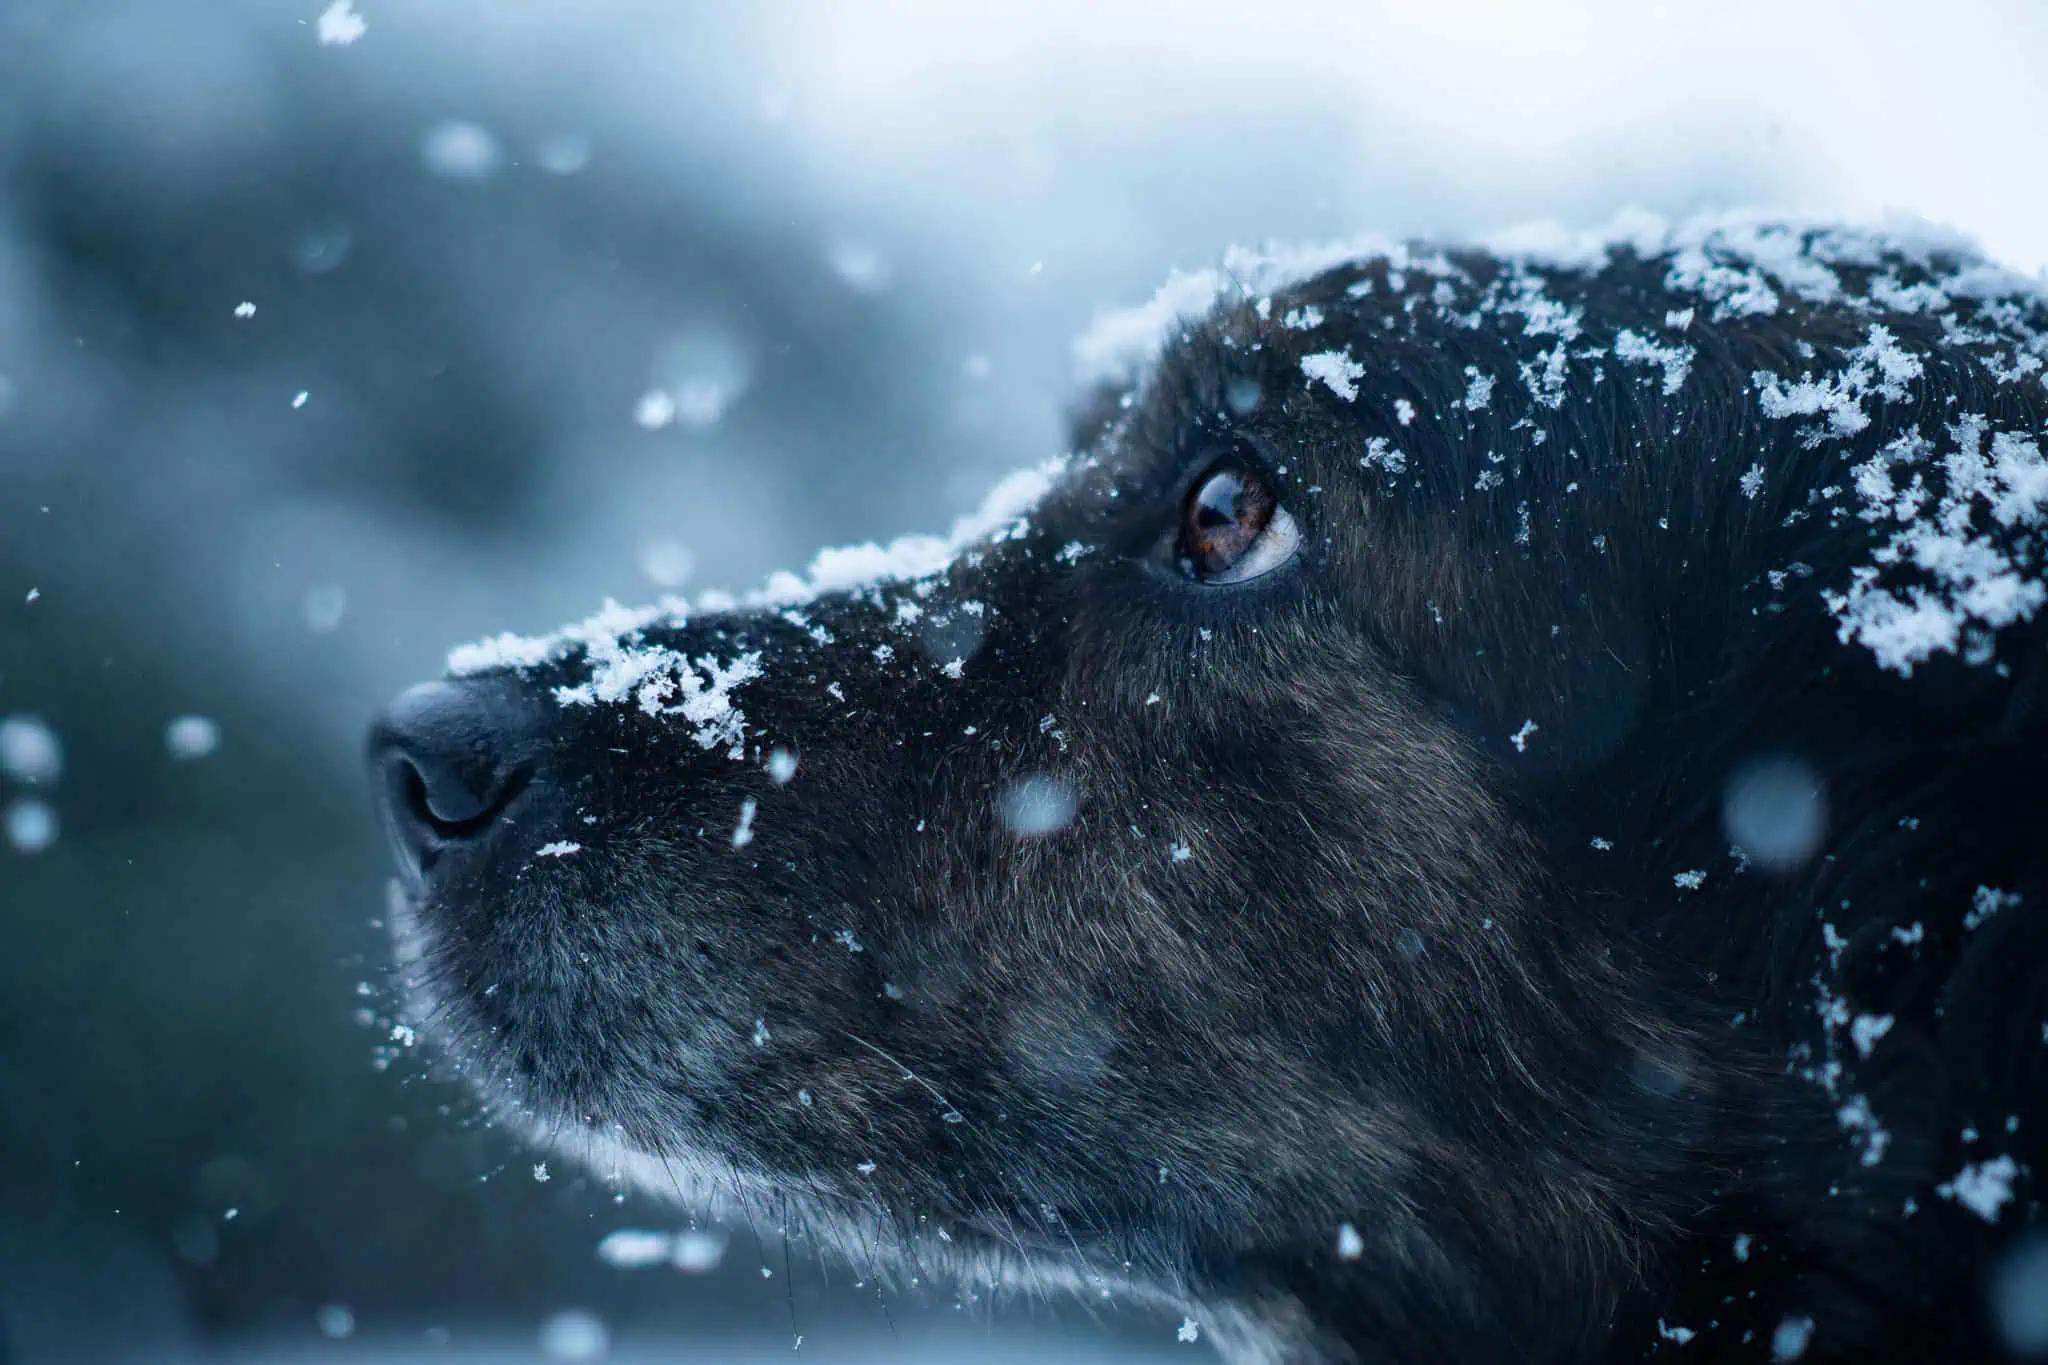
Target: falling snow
(30, 751)
(340, 25)
(31, 824)
(190, 737)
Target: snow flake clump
(1855, 1116)
(1478, 388)
(1676, 360)
(561, 848)
(1984, 1187)
(1001, 517)
(1187, 1331)
(1336, 369)
(1866, 1029)
(1986, 902)
(624, 667)
(1689, 881)
(1954, 567)
(1380, 454)
(1121, 343)
(1880, 367)
(340, 25)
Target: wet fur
(1394, 986)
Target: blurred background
(333, 334)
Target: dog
(1489, 810)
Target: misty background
(319, 356)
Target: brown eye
(1232, 527)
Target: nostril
(448, 760)
(446, 804)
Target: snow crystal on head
(1743, 262)
(1336, 369)
(624, 667)
(852, 568)
(1121, 343)
(1956, 566)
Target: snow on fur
(1952, 569)
(625, 667)
(1966, 521)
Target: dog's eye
(1232, 526)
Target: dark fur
(1395, 986)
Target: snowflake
(1337, 370)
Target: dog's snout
(447, 760)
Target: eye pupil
(1217, 499)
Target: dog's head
(1153, 885)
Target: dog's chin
(459, 1046)
(984, 1261)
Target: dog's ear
(1094, 412)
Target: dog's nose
(447, 759)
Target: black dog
(1492, 812)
